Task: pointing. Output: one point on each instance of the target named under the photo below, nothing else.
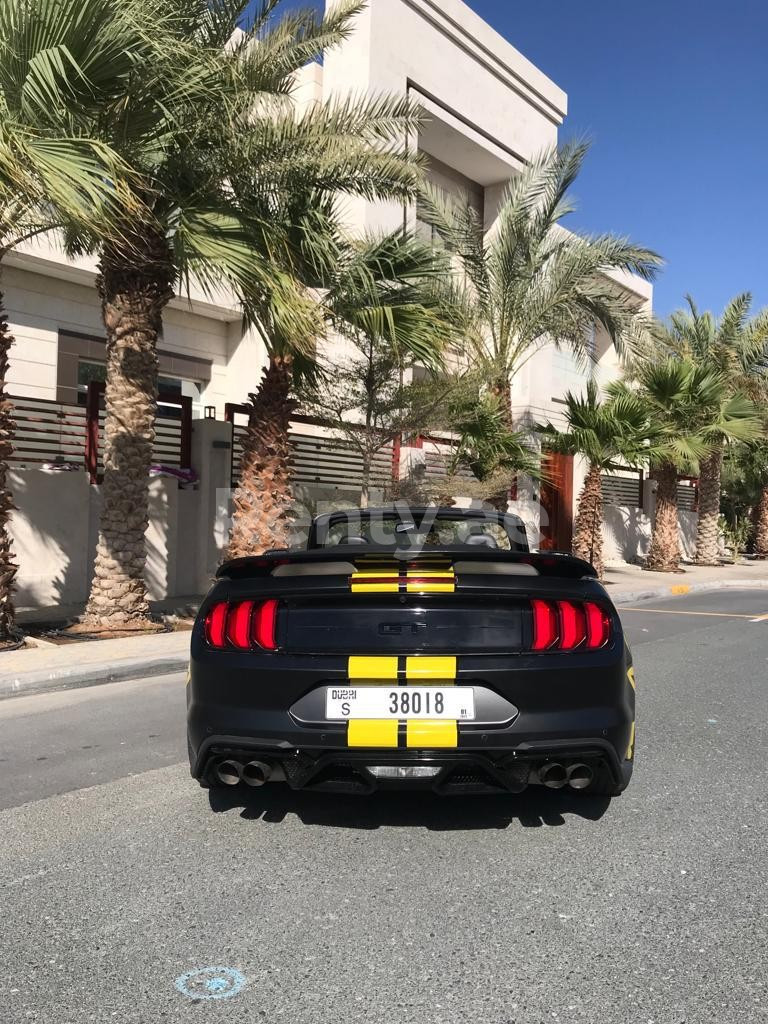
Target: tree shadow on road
(535, 808)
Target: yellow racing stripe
(372, 669)
(374, 583)
(365, 733)
(427, 581)
(631, 678)
(442, 670)
(431, 733)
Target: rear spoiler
(545, 563)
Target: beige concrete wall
(55, 527)
(627, 530)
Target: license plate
(385, 702)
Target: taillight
(598, 625)
(242, 625)
(264, 622)
(544, 625)
(216, 625)
(566, 625)
(239, 625)
(573, 625)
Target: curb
(28, 684)
(683, 589)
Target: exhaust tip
(256, 773)
(553, 775)
(580, 776)
(228, 773)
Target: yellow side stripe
(360, 668)
(438, 669)
(631, 678)
(631, 747)
(364, 733)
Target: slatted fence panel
(622, 489)
(48, 432)
(322, 461)
(437, 461)
(167, 449)
(687, 498)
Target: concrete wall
(627, 529)
(489, 109)
(55, 527)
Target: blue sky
(673, 94)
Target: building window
(82, 359)
(456, 188)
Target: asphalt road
(117, 877)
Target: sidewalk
(50, 668)
(628, 583)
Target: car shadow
(535, 808)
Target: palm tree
(689, 408)
(378, 291)
(735, 345)
(202, 115)
(51, 174)
(530, 282)
(605, 433)
(745, 489)
(494, 453)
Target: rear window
(361, 529)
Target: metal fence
(623, 488)
(64, 434)
(48, 432)
(322, 460)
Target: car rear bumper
(455, 772)
(575, 711)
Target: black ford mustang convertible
(419, 647)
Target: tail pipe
(256, 773)
(580, 776)
(553, 775)
(228, 773)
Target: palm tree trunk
(365, 487)
(133, 294)
(263, 501)
(588, 528)
(761, 524)
(8, 567)
(709, 509)
(501, 389)
(664, 553)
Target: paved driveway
(119, 878)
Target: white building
(489, 111)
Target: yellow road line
(671, 611)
